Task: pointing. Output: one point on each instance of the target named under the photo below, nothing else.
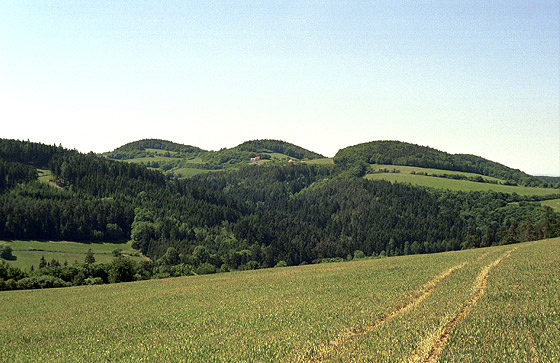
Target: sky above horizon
(474, 77)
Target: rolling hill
(185, 161)
(406, 154)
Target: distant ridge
(278, 146)
(402, 153)
(185, 160)
(137, 147)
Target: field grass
(553, 203)
(325, 161)
(30, 252)
(148, 159)
(496, 304)
(415, 169)
(460, 185)
(44, 175)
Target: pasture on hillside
(496, 304)
(553, 203)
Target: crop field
(460, 185)
(497, 304)
(29, 253)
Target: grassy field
(553, 203)
(460, 185)
(415, 169)
(496, 304)
(325, 161)
(29, 252)
(44, 175)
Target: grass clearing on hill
(30, 252)
(414, 169)
(460, 185)
(390, 309)
(553, 203)
(325, 161)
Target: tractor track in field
(336, 344)
(480, 287)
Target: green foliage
(90, 258)
(359, 254)
(121, 269)
(205, 268)
(6, 253)
(252, 265)
(253, 217)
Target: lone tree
(89, 257)
(6, 253)
(43, 262)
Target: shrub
(252, 265)
(206, 268)
(359, 254)
(93, 281)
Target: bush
(6, 253)
(122, 269)
(41, 282)
(206, 268)
(93, 281)
(252, 265)
(281, 264)
(359, 254)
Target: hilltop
(185, 161)
(406, 154)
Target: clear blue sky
(479, 77)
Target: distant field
(29, 252)
(325, 161)
(148, 159)
(460, 185)
(415, 169)
(496, 304)
(553, 203)
(44, 175)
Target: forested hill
(251, 216)
(402, 153)
(139, 148)
(184, 161)
(277, 146)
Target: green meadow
(29, 253)
(552, 203)
(496, 304)
(325, 161)
(453, 184)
